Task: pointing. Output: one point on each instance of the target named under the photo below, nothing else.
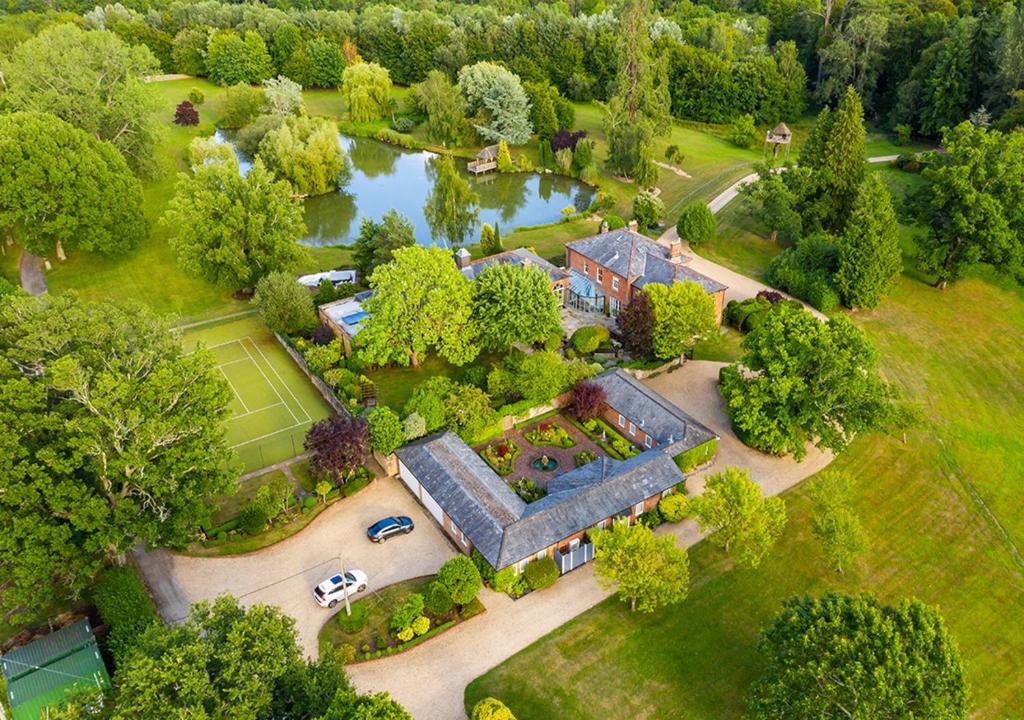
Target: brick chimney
(633, 227)
(675, 249)
(462, 258)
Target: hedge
(126, 608)
(541, 573)
(694, 457)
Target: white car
(334, 589)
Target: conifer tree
(505, 163)
(869, 252)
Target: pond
(386, 177)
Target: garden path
(430, 680)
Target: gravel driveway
(285, 574)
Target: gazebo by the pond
(486, 159)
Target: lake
(386, 177)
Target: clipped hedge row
(695, 457)
(407, 645)
(126, 609)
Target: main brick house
(607, 270)
(478, 510)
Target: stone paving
(529, 452)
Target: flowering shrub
(585, 456)
(549, 434)
(501, 456)
(528, 490)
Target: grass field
(941, 507)
(274, 403)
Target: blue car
(389, 527)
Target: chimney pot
(633, 227)
(675, 249)
(462, 257)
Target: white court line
(232, 386)
(264, 437)
(232, 362)
(251, 412)
(286, 386)
(294, 416)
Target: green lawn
(724, 347)
(941, 507)
(395, 384)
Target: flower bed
(607, 438)
(367, 634)
(546, 433)
(501, 456)
(527, 489)
(585, 456)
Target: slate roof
(663, 271)
(639, 259)
(674, 429)
(624, 252)
(505, 529)
(517, 256)
(472, 494)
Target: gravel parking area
(285, 574)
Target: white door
(409, 479)
(430, 504)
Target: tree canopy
(683, 313)
(92, 80)
(648, 571)
(59, 186)
(305, 151)
(229, 661)
(496, 101)
(421, 303)
(233, 230)
(366, 88)
(740, 520)
(852, 656)
(974, 206)
(110, 433)
(283, 304)
(870, 260)
(801, 380)
(377, 241)
(514, 303)
(444, 106)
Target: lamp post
(344, 580)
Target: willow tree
(366, 88)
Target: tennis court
(273, 402)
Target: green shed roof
(48, 685)
(54, 646)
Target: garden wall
(671, 365)
(320, 385)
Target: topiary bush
(674, 507)
(356, 621)
(504, 579)
(588, 339)
(491, 709)
(461, 578)
(615, 222)
(541, 573)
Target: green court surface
(273, 402)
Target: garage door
(433, 507)
(408, 478)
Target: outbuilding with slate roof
(478, 510)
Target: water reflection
(386, 177)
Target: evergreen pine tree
(869, 253)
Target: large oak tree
(94, 81)
(59, 187)
(110, 433)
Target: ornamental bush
(403, 616)
(126, 610)
(461, 578)
(421, 625)
(588, 400)
(186, 114)
(696, 224)
(504, 579)
(541, 573)
(438, 600)
(491, 709)
(674, 507)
